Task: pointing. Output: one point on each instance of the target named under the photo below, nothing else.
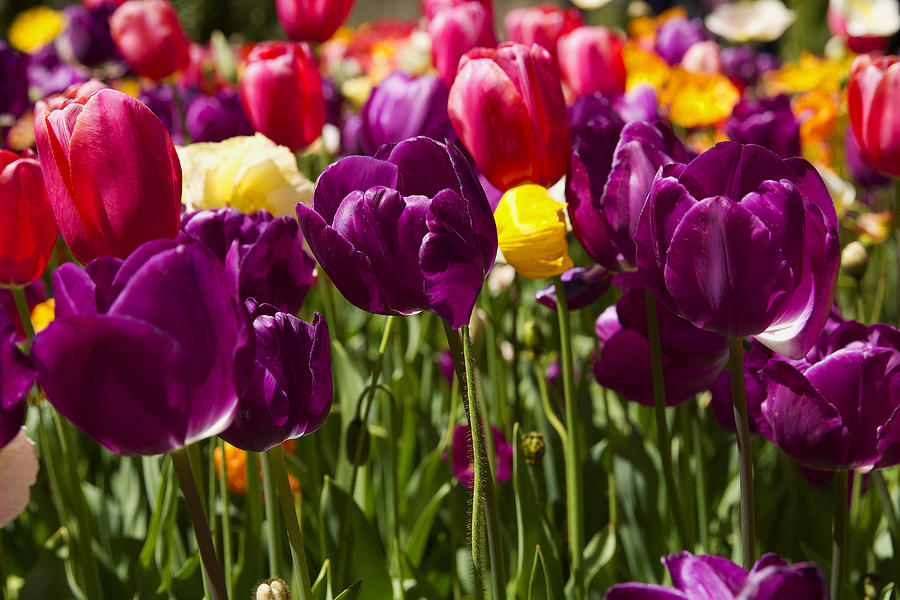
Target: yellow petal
(43, 314)
(698, 99)
(531, 231)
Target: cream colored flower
(590, 4)
(876, 18)
(751, 20)
(249, 173)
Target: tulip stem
(663, 440)
(574, 483)
(182, 465)
(887, 505)
(275, 456)
(839, 542)
(226, 518)
(24, 314)
(745, 459)
(273, 531)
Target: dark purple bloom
(289, 393)
(267, 253)
(767, 122)
(86, 38)
(675, 36)
(16, 378)
(161, 100)
(838, 407)
(722, 405)
(13, 81)
(407, 230)
(744, 65)
(49, 75)
(403, 106)
(148, 354)
(691, 358)
(583, 285)
(447, 367)
(462, 464)
(351, 134)
(742, 242)
(862, 173)
(334, 101)
(640, 103)
(216, 118)
(707, 577)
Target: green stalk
(216, 581)
(393, 436)
(839, 543)
(663, 440)
(273, 531)
(574, 483)
(226, 520)
(887, 505)
(745, 459)
(24, 314)
(275, 456)
(549, 412)
(700, 467)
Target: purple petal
(733, 170)
(643, 591)
(348, 175)
(16, 378)
(705, 577)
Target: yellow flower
(698, 99)
(34, 28)
(809, 73)
(642, 66)
(531, 231)
(249, 173)
(43, 314)
(817, 112)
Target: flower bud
(854, 260)
(272, 589)
(533, 447)
(359, 442)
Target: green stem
(880, 285)
(182, 465)
(273, 529)
(662, 427)
(24, 314)
(275, 456)
(549, 411)
(574, 483)
(514, 309)
(700, 469)
(226, 519)
(887, 505)
(860, 302)
(393, 437)
(839, 542)
(745, 459)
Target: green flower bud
(272, 589)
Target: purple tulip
(462, 464)
(145, 354)
(216, 118)
(13, 81)
(675, 36)
(405, 231)
(838, 408)
(447, 366)
(769, 122)
(49, 75)
(267, 253)
(16, 378)
(862, 173)
(744, 65)
(161, 100)
(691, 358)
(722, 405)
(583, 285)
(86, 38)
(707, 577)
(334, 101)
(289, 393)
(351, 135)
(640, 103)
(403, 106)
(742, 242)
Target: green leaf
(418, 538)
(352, 592)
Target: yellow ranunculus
(809, 73)
(34, 28)
(531, 231)
(249, 173)
(698, 99)
(43, 314)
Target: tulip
(432, 8)
(28, 228)
(722, 404)
(150, 37)
(691, 358)
(640, 103)
(590, 60)
(703, 57)
(462, 465)
(289, 393)
(676, 36)
(281, 91)
(94, 4)
(49, 74)
(531, 232)
(164, 104)
(871, 98)
(13, 81)
(744, 65)
(584, 286)
(742, 242)
(862, 173)
(87, 38)
(312, 20)
(457, 30)
(507, 107)
(403, 106)
(755, 20)
(18, 471)
(407, 230)
(267, 253)
(147, 355)
(768, 122)
(705, 577)
(16, 378)
(543, 25)
(216, 118)
(865, 27)
(111, 172)
(836, 409)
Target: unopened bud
(532, 336)
(533, 447)
(854, 260)
(358, 442)
(272, 589)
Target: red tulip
(112, 175)
(456, 30)
(312, 20)
(542, 25)
(872, 99)
(149, 36)
(281, 91)
(27, 228)
(431, 8)
(507, 107)
(92, 4)
(590, 59)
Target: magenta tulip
(150, 37)
(542, 25)
(312, 20)
(456, 30)
(590, 60)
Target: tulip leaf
(542, 574)
(421, 531)
(352, 592)
(599, 552)
(321, 587)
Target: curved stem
(839, 542)
(275, 456)
(745, 460)
(201, 528)
(663, 440)
(574, 483)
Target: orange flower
(817, 112)
(236, 468)
(643, 66)
(698, 99)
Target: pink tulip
(872, 97)
(456, 30)
(431, 8)
(312, 20)
(281, 91)
(542, 25)
(590, 59)
(150, 37)
(112, 175)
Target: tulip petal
(734, 170)
(798, 582)
(704, 577)
(16, 378)
(643, 591)
(74, 291)
(348, 175)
